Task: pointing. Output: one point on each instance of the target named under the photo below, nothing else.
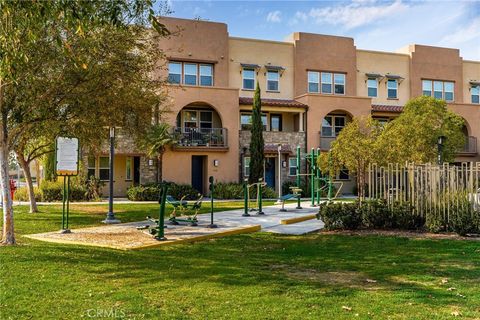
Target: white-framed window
(197, 119)
(91, 167)
(326, 82)
(292, 166)
(438, 89)
(427, 87)
(128, 168)
(339, 83)
(246, 121)
(475, 93)
(246, 166)
(313, 81)
(104, 168)
(275, 122)
(392, 89)
(372, 87)
(190, 74)
(273, 79)
(174, 72)
(448, 88)
(206, 75)
(248, 75)
(332, 125)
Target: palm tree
(155, 142)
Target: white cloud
(464, 34)
(357, 13)
(274, 16)
(299, 16)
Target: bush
(150, 192)
(21, 194)
(53, 191)
(375, 214)
(341, 216)
(234, 190)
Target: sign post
(66, 165)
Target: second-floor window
(188, 73)
(246, 121)
(197, 119)
(439, 89)
(326, 82)
(248, 75)
(475, 92)
(392, 89)
(332, 125)
(372, 87)
(272, 80)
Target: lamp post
(110, 219)
(440, 144)
(279, 149)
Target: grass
(255, 276)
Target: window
(128, 168)
(190, 119)
(441, 89)
(190, 74)
(174, 72)
(392, 88)
(427, 87)
(272, 80)
(90, 167)
(313, 81)
(276, 122)
(246, 166)
(383, 121)
(475, 92)
(292, 166)
(206, 75)
(332, 125)
(248, 79)
(104, 168)
(372, 87)
(343, 174)
(326, 82)
(448, 88)
(206, 119)
(339, 80)
(438, 89)
(246, 121)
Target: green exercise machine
(246, 194)
(158, 229)
(185, 206)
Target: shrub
(375, 214)
(341, 216)
(93, 188)
(234, 190)
(53, 191)
(179, 190)
(150, 192)
(21, 194)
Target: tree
(413, 136)
(256, 140)
(22, 24)
(155, 142)
(355, 148)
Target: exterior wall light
(216, 163)
(284, 164)
(150, 162)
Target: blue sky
(374, 24)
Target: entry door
(136, 170)
(197, 172)
(270, 172)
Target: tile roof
(273, 148)
(273, 102)
(386, 108)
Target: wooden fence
(431, 189)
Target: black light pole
(110, 215)
(440, 143)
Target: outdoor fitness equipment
(158, 230)
(186, 206)
(296, 193)
(246, 194)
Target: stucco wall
(471, 71)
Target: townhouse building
(312, 86)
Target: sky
(384, 25)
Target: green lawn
(255, 276)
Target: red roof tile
(386, 108)
(273, 148)
(273, 102)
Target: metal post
(317, 175)
(312, 176)
(260, 184)
(110, 215)
(279, 149)
(245, 195)
(298, 177)
(212, 189)
(161, 219)
(440, 144)
(68, 200)
(330, 183)
(63, 204)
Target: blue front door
(270, 172)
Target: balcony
(193, 138)
(470, 147)
(326, 142)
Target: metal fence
(430, 189)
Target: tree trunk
(160, 167)
(28, 178)
(8, 229)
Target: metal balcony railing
(470, 145)
(201, 137)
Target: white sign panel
(67, 156)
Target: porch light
(216, 163)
